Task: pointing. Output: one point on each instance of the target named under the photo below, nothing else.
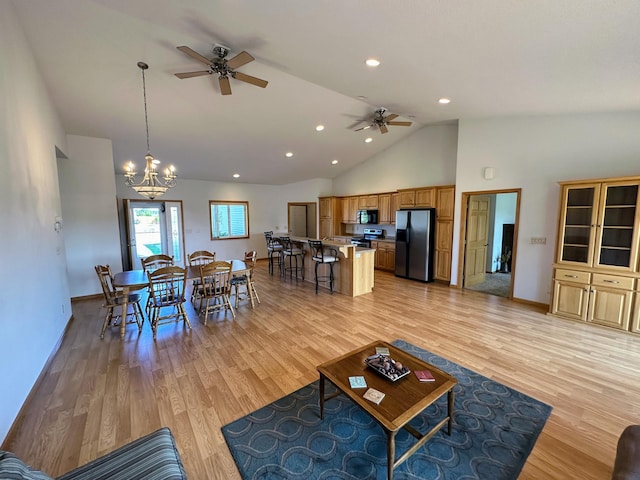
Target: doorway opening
(489, 236)
(153, 227)
(302, 219)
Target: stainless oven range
(368, 235)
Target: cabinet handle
(610, 281)
(571, 276)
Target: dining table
(131, 280)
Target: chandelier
(150, 186)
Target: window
(229, 219)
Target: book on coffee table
(374, 395)
(424, 376)
(382, 351)
(357, 382)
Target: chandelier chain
(146, 118)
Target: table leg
(249, 289)
(125, 310)
(321, 383)
(391, 453)
(450, 398)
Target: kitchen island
(353, 273)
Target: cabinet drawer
(572, 275)
(612, 281)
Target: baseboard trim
(94, 296)
(544, 306)
(6, 443)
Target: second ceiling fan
(222, 67)
(380, 121)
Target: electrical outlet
(538, 240)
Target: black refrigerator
(415, 230)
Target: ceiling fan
(222, 67)
(380, 121)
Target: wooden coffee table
(404, 399)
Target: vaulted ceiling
(490, 57)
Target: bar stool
(274, 250)
(292, 251)
(319, 256)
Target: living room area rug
(494, 430)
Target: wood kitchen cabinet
(442, 257)
(445, 197)
(395, 206)
(596, 271)
(417, 197)
(330, 216)
(385, 258)
(384, 209)
(350, 209)
(368, 201)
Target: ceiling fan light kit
(380, 121)
(222, 67)
(150, 186)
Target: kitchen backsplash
(357, 229)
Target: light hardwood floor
(98, 395)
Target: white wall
(88, 196)
(35, 304)
(534, 153)
(427, 157)
(267, 210)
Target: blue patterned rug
(494, 431)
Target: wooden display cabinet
(596, 268)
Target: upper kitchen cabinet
(350, 209)
(330, 216)
(395, 206)
(417, 197)
(384, 209)
(599, 224)
(368, 201)
(445, 197)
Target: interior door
(477, 239)
(154, 227)
(298, 220)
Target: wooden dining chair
(196, 259)
(154, 262)
(113, 299)
(215, 289)
(246, 281)
(150, 263)
(167, 296)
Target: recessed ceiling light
(319, 128)
(361, 97)
(334, 162)
(288, 154)
(444, 101)
(372, 62)
(368, 140)
(236, 175)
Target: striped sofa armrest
(152, 457)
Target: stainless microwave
(368, 216)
